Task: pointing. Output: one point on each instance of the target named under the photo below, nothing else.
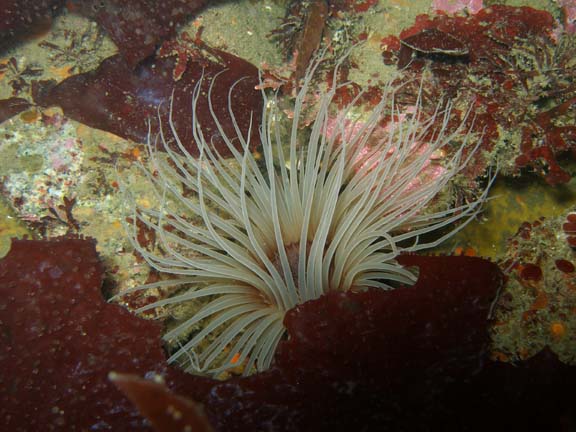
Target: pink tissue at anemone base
(453, 6)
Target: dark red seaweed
(410, 359)
(139, 26)
(12, 106)
(16, 15)
(60, 339)
(121, 100)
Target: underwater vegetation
(405, 359)
(57, 332)
(12, 106)
(136, 26)
(537, 309)
(519, 71)
(138, 93)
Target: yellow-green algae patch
(10, 227)
(512, 201)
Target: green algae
(512, 201)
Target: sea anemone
(254, 236)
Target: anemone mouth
(245, 240)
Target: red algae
(501, 397)
(138, 26)
(135, 26)
(540, 293)
(61, 339)
(357, 6)
(118, 99)
(362, 5)
(385, 370)
(415, 358)
(512, 49)
(397, 360)
(12, 106)
(564, 266)
(368, 371)
(569, 228)
(531, 272)
(166, 411)
(311, 36)
(300, 35)
(54, 304)
(16, 15)
(524, 230)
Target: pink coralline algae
(430, 171)
(569, 12)
(369, 156)
(453, 6)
